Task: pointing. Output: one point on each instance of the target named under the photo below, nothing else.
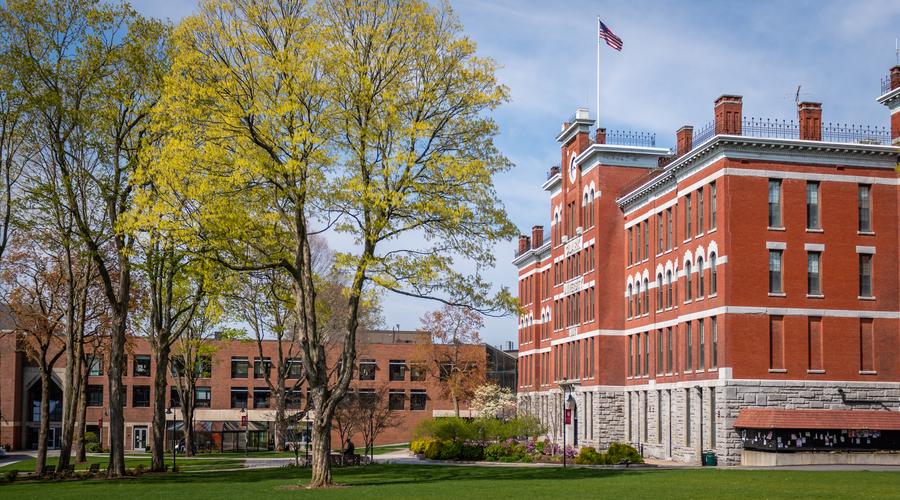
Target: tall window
(865, 275)
(775, 271)
(714, 337)
(701, 344)
(397, 370)
(712, 206)
(630, 358)
(669, 236)
(713, 275)
(813, 279)
(688, 286)
(701, 289)
(637, 243)
(630, 247)
(659, 292)
(646, 225)
(646, 296)
(659, 233)
(774, 203)
(637, 299)
(688, 216)
(700, 211)
(367, 369)
(142, 366)
(668, 288)
(865, 208)
(659, 351)
(628, 299)
(261, 367)
(689, 347)
(647, 353)
(239, 397)
(669, 350)
(812, 205)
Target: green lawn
(411, 481)
(130, 462)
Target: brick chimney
(810, 115)
(524, 244)
(684, 140)
(537, 236)
(895, 77)
(728, 113)
(601, 136)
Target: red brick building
(233, 386)
(754, 266)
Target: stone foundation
(678, 421)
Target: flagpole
(597, 111)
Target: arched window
(700, 288)
(646, 296)
(713, 284)
(585, 211)
(688, 287)
(668, 288)
(628, 298)
(591, 207)
(637, 299)
(659, 292)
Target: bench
(95, 468)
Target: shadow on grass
(392, 475)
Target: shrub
(618, 453)
(471, 452)
(417, 446)
(11, 476)
(138, 469)
(446, 428)
(589, 456)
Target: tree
(14, 127)
(492, 401)
(36, 297)
(192, 360)
(176, 291)
(264, 302)
(346, 417)
(91, 73)
(453, 353)
(381, 133)
(373, 416)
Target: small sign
(243, 420)
(100, 421)
(568, 416)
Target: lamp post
(244, 423)
(566, 387)
(170, 411)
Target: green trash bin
(709, 459)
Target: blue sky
(678, 57)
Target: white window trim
(865, 249)
(776, 245)
(814, 247)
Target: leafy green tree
(284, 120)
(91, 74)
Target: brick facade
(669, 367)
(17, 376)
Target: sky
(678, 56)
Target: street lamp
(244, 423)
(170, 411)
(567, 388)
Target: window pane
(774, 203)
(812, 269)
(774, 271)
(865, 275)
(812, 205)
(865, 216)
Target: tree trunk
(116, 405)
(158, 443)
(321, 453)
(74, 351)
(80, 445)
(188, 430)
(280, 424)
(44, 429)
(455, 405)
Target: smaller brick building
(231, 387)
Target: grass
(184, 464)
(423, 481)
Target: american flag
(609, 37)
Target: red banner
(244, 420)
(568, 416)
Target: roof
(781, 418)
